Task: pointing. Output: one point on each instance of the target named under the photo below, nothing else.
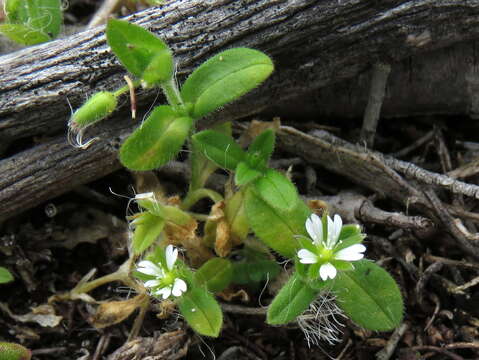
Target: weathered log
(313, 43)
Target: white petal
(314, 227)
(334, 229)
(307, 257)
(327, 271)
(179, 287)
(171, 254)
(148, 195)
(147, 267)
(351, 253)
(164, 292)
(152, 283)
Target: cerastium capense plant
(258, 218)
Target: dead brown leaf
(114, 312)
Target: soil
(52, 247)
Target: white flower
(326, 252)
(165, 281)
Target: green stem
(194, 196)
(125, 88)
(172, 93)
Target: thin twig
(416, 144)
(437, 349)
(387, 351)
(243, 310)
(105, 10)
(456, 263)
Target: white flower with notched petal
(164, 280)
(326, 249)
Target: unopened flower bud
(99, 106)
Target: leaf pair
(368, 295)
(33, 21)
(220, 80)
(250, 166)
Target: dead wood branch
(343, 39)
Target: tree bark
(313, 44)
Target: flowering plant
(328, 256)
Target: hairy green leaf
(11, 351)
(276, 189)
(236, 215)
(219, 148)
(244, 174)
(261, 148)
(148, 228)
(201, 166)
(157, 141)
(23, 34)
(216, 274)
(224, 78)
(135, 47)
(201, 311)
(5, 275)
(369, 296)
(277, 228)
(292, 300)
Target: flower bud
(99, 106)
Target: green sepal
(236, 215)
(148, 229)
(23, 35)
(369, 296)
(244, 174)
(157, 141)
(5, 275)
(134, 46)
(224, 78)
(12, 351)
(215, 274)
(277, 190)
(350, 235)
(292, 300)
(261, 149)
(306, 243)
(277, 228)
(96, 108)
(201, 311)
(219, 148)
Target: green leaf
(215, 274)
(254, 267)
(5, 275)
(32, 22)
(219, 148)
(277, 190)
(236, 215)
(157, 141)
(369, 296)
(244, 174)
(99, 106)
(23, 34)
(201, 166)
(261, 148)
(148, 228)
(11, 351)
(277, 228)
(160, 69)
(224, 78)
(292, 300)
(135, 47)
(201, 311)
